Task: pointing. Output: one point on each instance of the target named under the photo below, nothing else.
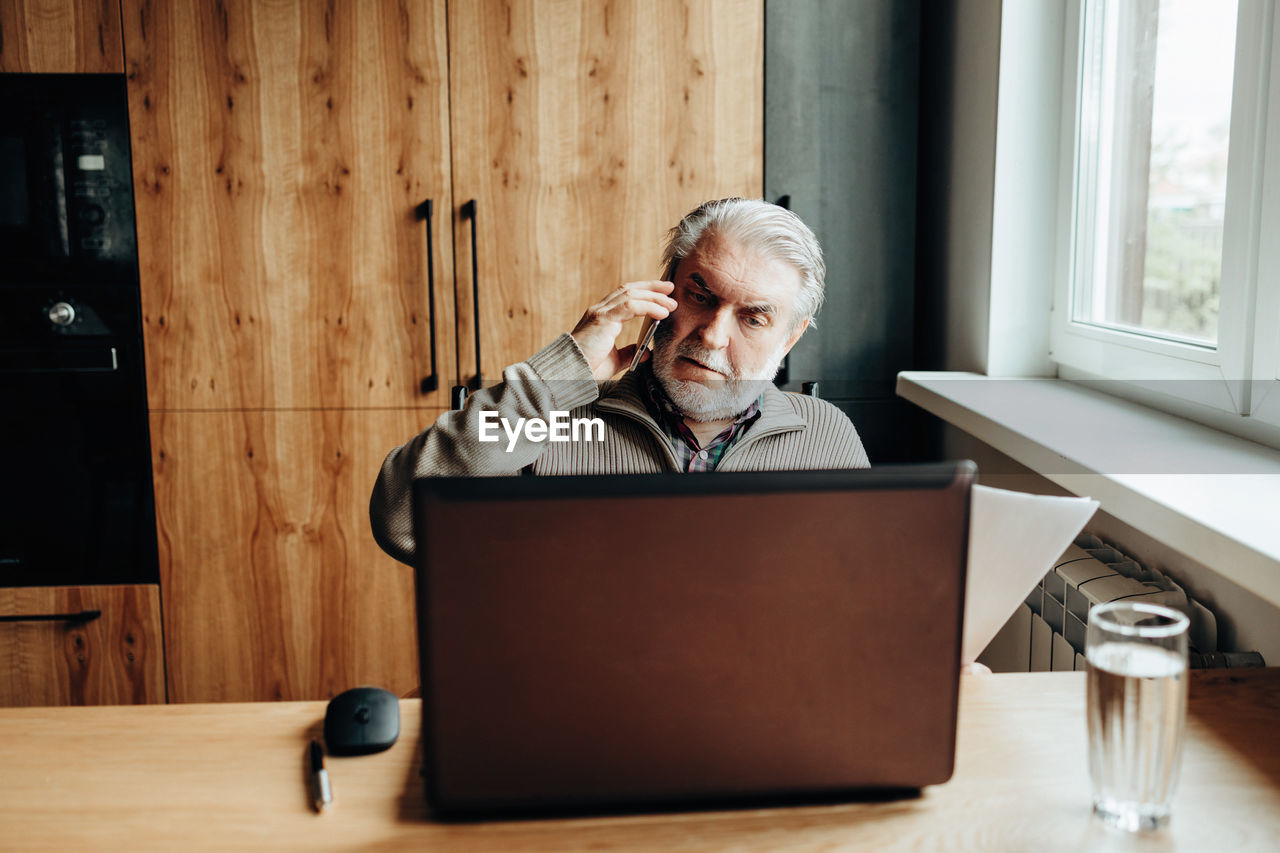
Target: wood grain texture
(273, 585)
(584, 131)
(116, 659)
(280, 150)
(1020, 784)
(61, 36)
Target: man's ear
(795, 336)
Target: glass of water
(1137, 707)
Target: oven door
(76, 502)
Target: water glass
(1137, 708)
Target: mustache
(717, 361)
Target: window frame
(1266, 330)
(1183, 377)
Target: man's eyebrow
(762, 307)
(696, 278)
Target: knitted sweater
(794, 432)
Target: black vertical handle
(431, 381)
(784, 369)
(469, 212)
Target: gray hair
(772, 231)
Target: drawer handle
(423, 211)
(70, 618)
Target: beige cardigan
(794, 432)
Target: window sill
(1210, 495)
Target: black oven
(64, 165)
(76, 501)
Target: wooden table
(232, 777)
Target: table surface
(233, 777)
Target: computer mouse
(361, 720)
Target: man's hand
(597, 332)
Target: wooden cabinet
(282, 153)
(86, 645)
(60, 36)
(583, 131)
(273, 585)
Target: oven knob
(62, 314)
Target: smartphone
(647, 330)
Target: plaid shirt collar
(692, 457)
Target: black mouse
(361, 720)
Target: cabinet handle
(469, 212)
(430, 382)
(784, 369)
(71, 618)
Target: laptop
(673, 640)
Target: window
(1171, 120)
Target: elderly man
(745, 279)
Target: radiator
(1047, 632)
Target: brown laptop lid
(626, 640)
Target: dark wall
(842, 126)
(937, 117)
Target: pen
(319, 777)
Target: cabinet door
(273, 585)
(115, 657)
(280, 152)
(584, 131)
(60, 36)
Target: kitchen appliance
(76, 501)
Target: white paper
(1014, 539)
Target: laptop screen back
(673, 638)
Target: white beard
(719, 399)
